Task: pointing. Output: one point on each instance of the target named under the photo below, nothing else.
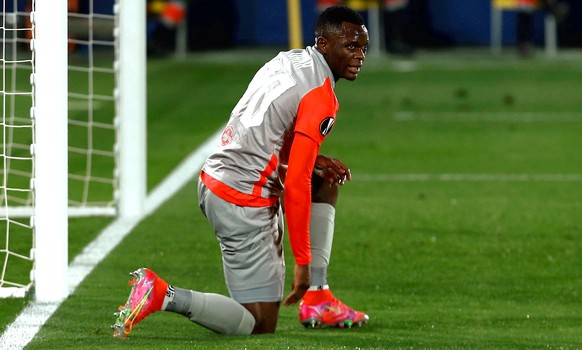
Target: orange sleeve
(316, 112)
(315, 119)
(297, 198)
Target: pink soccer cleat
(322, 309)
(147, 295)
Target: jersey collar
(320, 60)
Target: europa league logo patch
(326, 126)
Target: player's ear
(321, 43)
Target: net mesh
(17, 136)
(92, 133)
(93, 184)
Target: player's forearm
(297, 214)
(297, 196)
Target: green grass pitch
(460, 230)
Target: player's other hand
(332, 170)
(300, 285)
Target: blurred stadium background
(429, 23)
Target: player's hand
(300, 285)
(332, 170)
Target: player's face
(345, 51)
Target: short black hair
(332, 17)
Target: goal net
(16, 239)
(97, 131)
(91, 106)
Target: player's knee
(265, 324)
(266, 315)
(264, 328)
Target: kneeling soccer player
(268, 159)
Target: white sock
(321, 229)
(213, 311)
(221, 314)
(315, 288)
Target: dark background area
(431, 23)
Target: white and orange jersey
(291, 97)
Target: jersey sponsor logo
(227, 135)
(326, 126)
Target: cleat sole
(311, 323)
(316, 323)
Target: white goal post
(50, 117)
(50, 89)
(131, 106)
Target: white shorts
(251, 243)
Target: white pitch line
(182, 174)
(20, 332)
(412, 177)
